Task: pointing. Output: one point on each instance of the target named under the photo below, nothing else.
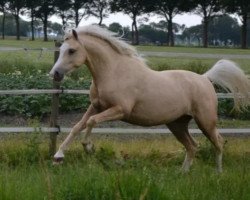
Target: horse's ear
(75, 34)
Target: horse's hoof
(58, 161)
(88, 147)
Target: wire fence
(66, 91)
(123, 131)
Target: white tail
(229, 76)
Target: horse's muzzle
(58, 76)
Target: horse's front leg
(113, 113)
(58, 157)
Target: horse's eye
(71, 51)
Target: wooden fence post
(54, 108)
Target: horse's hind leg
(179, 128)
(207, 123)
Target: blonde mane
(116, 43)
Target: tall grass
(135, 169)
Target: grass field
(13, 58)
(131, 169)
(123, 170)
(198, 50)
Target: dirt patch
(64, 120)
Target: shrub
(38, 105)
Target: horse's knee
(91, 122)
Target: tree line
(73, 11)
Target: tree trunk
(17, 27)
(133, 33)
(45, 25)
(170, 31)
(136, 34)
(32, 26)
(168, 38)
(244, 32)
(3, 26)
(205, 31)
(63, 20)
(76, 18)
(101, 18)
(100, 21)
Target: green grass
(197, 64)
(17, 60)
(144, 170)
(233, 123)
(198, 50)
(137, 169)
(26, 43)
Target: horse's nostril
(57, 76)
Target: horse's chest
(99, 105)
(101, 102)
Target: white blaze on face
(60, 66)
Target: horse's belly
(151, 116)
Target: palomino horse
(124, 88)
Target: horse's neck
(100, 61)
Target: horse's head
(72, 55)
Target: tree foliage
(133, 8)
(43, 11)
(79, 8)
(242, 8)
(3, 10)
(63, 10)
(207, 9)
(99, 9)
(169, 9)
(31, 11)
(224, 29)
(16, 7)
(73, 11)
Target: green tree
(16, 7)
(193, 33)
(242, 8)
(225, 29)
(99, 9)
(206, 9)
(133, 8)
(169, 9)
(123, 32)
(10, 26)
(31, 6)
(63, 10)
(79, 8)
(56, 27)
(43, 11)
(152, 34)
(115, 27)
(3, 9)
